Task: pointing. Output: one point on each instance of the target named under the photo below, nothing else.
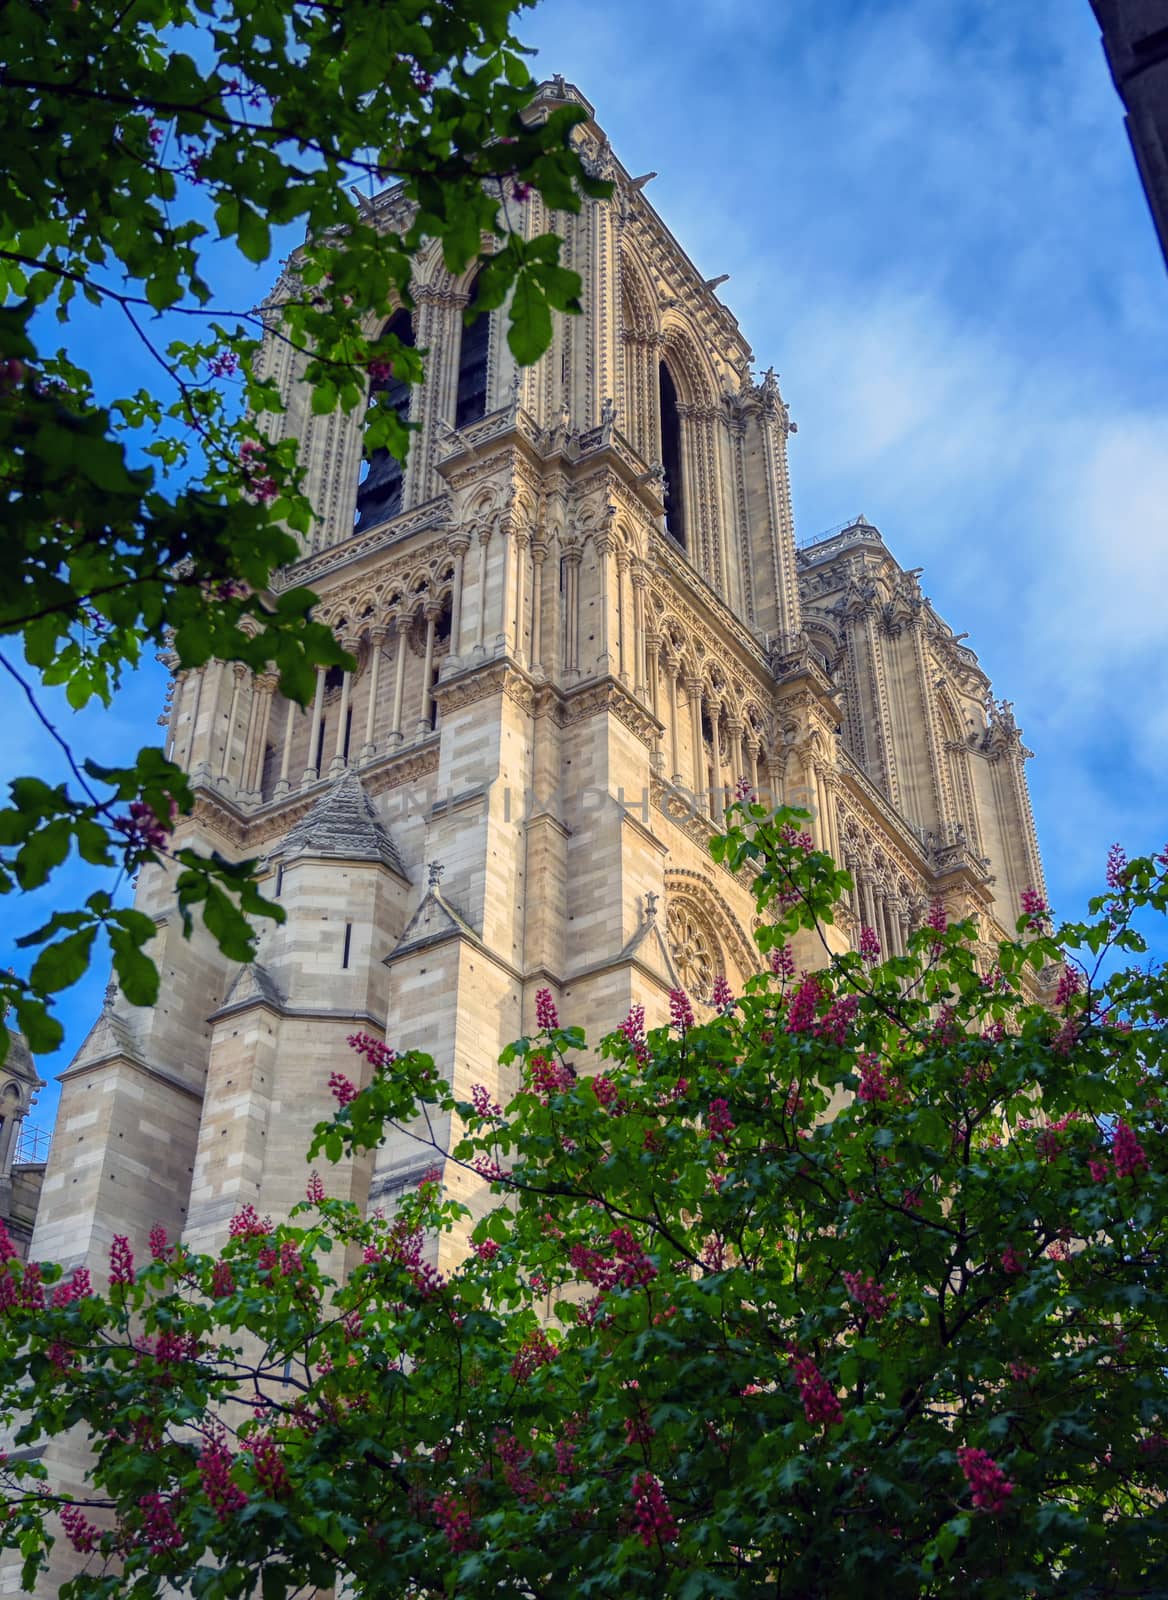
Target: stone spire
(342, 823)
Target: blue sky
(935, 233)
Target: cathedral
(581, 619)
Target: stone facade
(565, 663)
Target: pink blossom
(315, 1191)
(455, 1522)
(222, 1280)
(820, 1404)
(77, 1288)
(223, 364)
(872, 1296)
(536, 1351)
(873, 1083)
(247, 1224)
(121, 1260)
(652, 1517)
(487, 1250)
(938, 918)
(1034, 907)
(480, 1098)
(1127, 1151)
(1100, 1171)
(719, 1123)
(869, 944)
(7, 1248)
(605, 1091)
(80, 1532)
(159, 1248)
(159, 1529)
(837, 1020)
(343, 1089)
(1117, 867)
(1012, 1261)
(1069, 985)
(378, 1055)
(805, 1000)
(991, 1488)
(546, 1016)
(632, 1030)
(268, 1466)
(549, 1077)
(215, 1463)
(142, 827)
(680, 1011)
(782, 962)
(722, 998)
(380, 371)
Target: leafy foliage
(136, 139)
(863, 1274)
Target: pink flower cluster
(159, 1248)
(248, 1224)
(837, 1020)
(215, 1463)
(653, 1519)
(607, 1093)
(222, 1280)
(80, 1532)
(719, 1123)
(343, 1089)
(378, 1055)
(1012, 1261)
(268, 1465)
(159, 1529)
(869, 944)
(546, 1015)
(873, 1083)
(1069, 985)
(820, 1403)
(77, 1288)
(681, 1014)
(536, 1351)
(804, 1003)
(315, 1190)
(260, 482)
(628, 1267)
(937, 919)
(1127, 1152)
(991, 1487)
(1117, 867)
(380, 370)
(549, 1077)
(632, 1030)
(455, 1522)
(223, 364)
(722, 998)
(782, 962)
(480, 1098)
(1034, 906)
(142, 827)
(875, 1299)
(487, 1251)
(121, 1260)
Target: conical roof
(343, 823)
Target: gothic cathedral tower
(580, 619)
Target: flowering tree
(128, 132)
(861, 1274)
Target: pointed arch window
(472, 365)
(671, 456)
(379, 491)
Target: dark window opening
(320, 744)
(472, 365)
(348, 733)
(379, 493)
(433, 702)
(707, 729)
(334, 678)
(671, 457)
(279, 882)
(348, 944)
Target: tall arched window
(671, 456)
(379, 493)
(472, 365)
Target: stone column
(401, 625)
(572, 558)
(459, 544)
(376, 640)
(734, 727)
(339, 757)
(252, 777)
(752, 755)
(521, 543)
(643, 684)
(716, 788)
(539, 552)
(427, 672)
(672, 667)
(603, 547)
(502, 639)
(693, 688)
(867, 903)
(238, 672)
(283, 785)
(623, 654)
(311, 770)
(481, 629)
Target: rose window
(692, 952)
